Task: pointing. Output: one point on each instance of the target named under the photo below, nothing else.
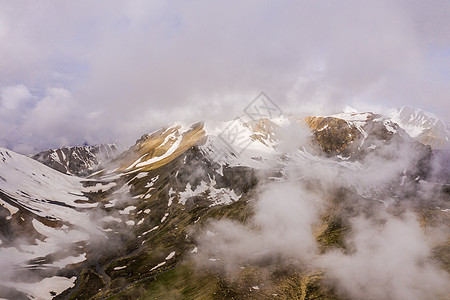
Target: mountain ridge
(77, 160)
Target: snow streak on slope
(174, 139)
(158, 148)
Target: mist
(281, 230)
(389, 259)
(387, 251)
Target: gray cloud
(137, 65)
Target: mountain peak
(424, 126)
(78, 160)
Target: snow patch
(158, 265)
(222, 196)
(111, 203)
(172, 254)
(165, 217)
(154, 228)
(42, 290)
(110, 219)
(127, 210)
(129, 222)
(68, 261)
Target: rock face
(334, 135)
(352, 135)
(78, 160)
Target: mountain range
(217, 210)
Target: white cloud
(12, 97)
(389, 261)
(30, 122)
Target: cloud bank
(132, 67)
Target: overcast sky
(102, 71)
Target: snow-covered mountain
(426, 127)
(78, 160)
(42, 219)
(139, 214)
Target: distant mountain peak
(425, 127)
(78, 160)
(350, 110)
